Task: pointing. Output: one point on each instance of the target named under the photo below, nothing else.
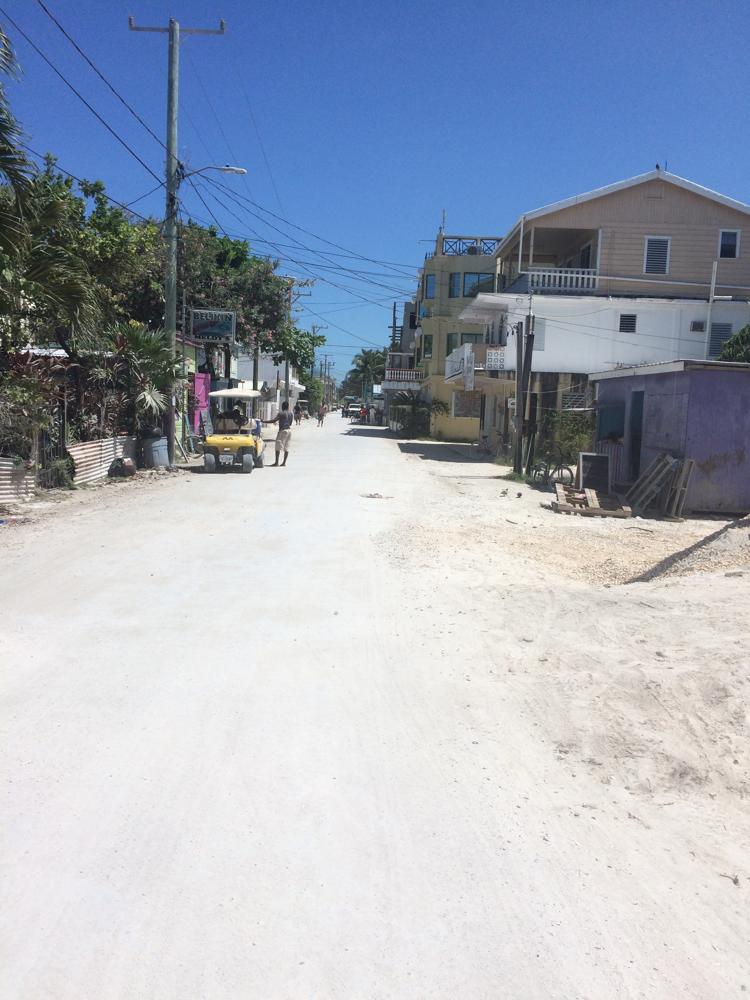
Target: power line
(78, 94)
(299, 263)
(260, 143)
(363, 276)
(409, 268)
(101, 76)
(114, 201)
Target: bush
(566, 433)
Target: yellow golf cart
(234, 441)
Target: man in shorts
(284, 435)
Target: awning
(234, 394)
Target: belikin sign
(213, 325)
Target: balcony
(565, 280)
(555, 281)
(403, 378)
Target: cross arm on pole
(183, 31)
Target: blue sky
(376, 117)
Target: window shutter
(720, 334)
(627, 322)
(538, 334)
(657, 255)
(698, 326)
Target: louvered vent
(657, 255)
(627, 322)
(720, 334)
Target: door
(636, 433)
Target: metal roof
(664, 367)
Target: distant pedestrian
(284, 435)
(322, 410)
(363, 414)
(297, 414)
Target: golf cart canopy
(234, 394)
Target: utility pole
(518, 451)
(173, 177)
(394, 330)
(523, 376)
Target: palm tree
(414, 412)
(368, 368)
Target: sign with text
(214, 326)
(469, 367)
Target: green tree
(737, 348)
(314, 391)
(368, 368)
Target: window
(454, 285)
(697, 326)
(472, 338)
(585, 256)
(412, 321)
(474, 283)
(627, 322)
(720, 334)
(452, 343)
(656, 255)
(729, 243)
(538, 334)
(427, 345)
(429, 286)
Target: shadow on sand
(436, 451)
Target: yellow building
(458, 268)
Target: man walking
(322, 410)
(284, 435)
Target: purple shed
(690, 409)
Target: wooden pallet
(587, 503)
(662, 486)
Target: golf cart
(233, 442)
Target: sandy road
(268, 737)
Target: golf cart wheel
(259, 461)
(248, 463)
(209, 462)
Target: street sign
(213, 325)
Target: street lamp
(175, 175)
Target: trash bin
(155, 453)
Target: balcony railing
(563, 279)
(404, 374)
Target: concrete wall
(703, 415)
(718, 438)
(582, 333)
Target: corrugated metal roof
(16, 481)
(93, 458)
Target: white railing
(404, 375)
(563, 279)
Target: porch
(549, 261)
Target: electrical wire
(67, 173)
(260, 143)
(78, 94)
(300, 264)
(101, 75)
(364, 277)
(409, 269)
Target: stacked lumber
(588, 503)
(663, 486)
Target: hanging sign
(213, 325)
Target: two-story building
(457, 269)
(646, 270)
